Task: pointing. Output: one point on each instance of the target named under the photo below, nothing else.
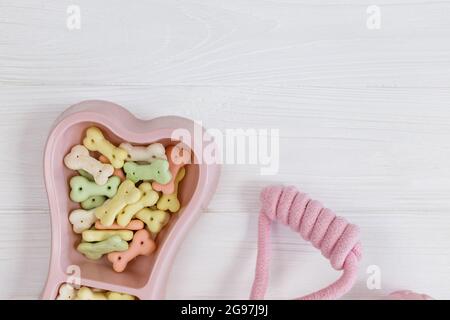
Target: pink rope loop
(337, 239)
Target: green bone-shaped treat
(93, 202)
(82, 188)
(96, 250)
(158, 171)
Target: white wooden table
(364, 119)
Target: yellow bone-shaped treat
(126, 194)
(148, 199)
(95, 141)
(154, 219)
(170, 201)
(87, 294)
(111, 295)
(100, 235)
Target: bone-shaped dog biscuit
(85, 293)
(66, 292)
(170, 201)
(100, 235)
(93, 202)
(148, 199)
(82, 188)
(158, 170)
(95, 141)
(82, 219)
(142, 244)
(146, 154)
(79, 159)
(126, 194)
(117, 172)
(134, 225)
(95, 251)
(178, 157)
(119, 296)
(154, 219)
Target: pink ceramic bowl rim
(126, 126)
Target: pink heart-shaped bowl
(145, 277)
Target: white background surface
(364, 118)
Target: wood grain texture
(364, 123)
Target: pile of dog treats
(69, 292)
(126, 195)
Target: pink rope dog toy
(337, 239)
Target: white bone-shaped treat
(79, 159)
(147, 154)
(66, 292)
(82, 219)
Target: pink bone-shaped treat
(141, 245)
